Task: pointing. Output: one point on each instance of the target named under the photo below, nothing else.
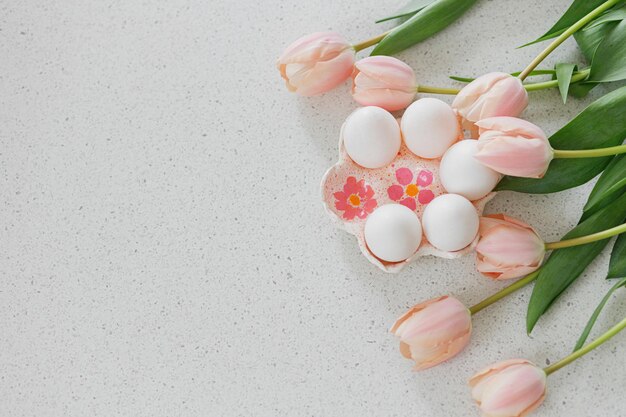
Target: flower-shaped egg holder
(350, 193)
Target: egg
(450, 222)
(460, 173)
(393, 232)
(371, 137)
(429, 127)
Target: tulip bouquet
(480, 136)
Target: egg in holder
(388, 174)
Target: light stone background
(164, 250)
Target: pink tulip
(383, 81)
(434, 331)
(511, 388)
(316, 63)
(493, 94)
(513, 146)
(507, 248)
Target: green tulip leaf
(409, 9)
(580, 90)
(617, 264)
(423, 24)
(609, 60)
(578, 10)
(565, 265)
(611, 15)
(589, 39)
(564, 74)
(609, 186)
(601, 124)
(596, 313)
(461, 79)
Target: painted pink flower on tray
(356, 199)
(409, 192)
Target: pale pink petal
(434, 331)
(383, 81)
(513, 391)
(511, 126)
(492, 369)
(489, 271)
(493, 94)
(517, 156)
(316, 63)
(506, 98)
(325, 76)
(507, 248)
(508, 245)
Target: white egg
(450, 222)
(371, 136)
(393, 232)
(460, 173)
(429, 127)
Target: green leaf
(461, 79)
(610, 15)
(576, 11)
(601, 124)
(580, 90)
(596, 313)
(565, 265)
(564, 77)
(617, 264)
(425, 23)
(609, 186)
(412, 7)
(609, 61)
(588, 39)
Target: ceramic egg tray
(350, 193)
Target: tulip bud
(507, 248)
(316, 63)
(383, 81)
(493, 94)
(511, 388)
(513, 146)
(434, 331)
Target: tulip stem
(373, 41)
(570, 31)
(579, 76)
(605, 234)
(504, 292)
(586, 349)
(590, 153)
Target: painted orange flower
(356, 199)
(406, 191)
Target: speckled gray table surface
(164, 250)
